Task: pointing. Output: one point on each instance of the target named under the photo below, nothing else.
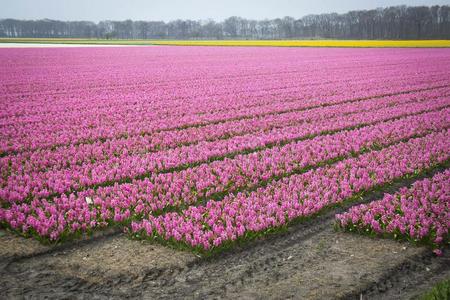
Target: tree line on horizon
(399, 22)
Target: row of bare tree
(400, 22)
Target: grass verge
(441, 291)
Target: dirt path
(310, 261)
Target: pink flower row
(45, 184)
(419, 213)
(165, 128)
(303, 195)
(121, 203)
(151, 77)
(248, 171)
(117, 149)
(20, 137)
(133, 98)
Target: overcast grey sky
(166, 10)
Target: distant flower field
(202, 147)
(250, 43)
(314, 43)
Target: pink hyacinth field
(324, 162)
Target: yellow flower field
(270, 43)
(313, 43)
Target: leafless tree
(401, 22)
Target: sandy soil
(310, 261)
(33, 45)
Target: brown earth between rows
(310, 261)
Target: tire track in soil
(409, 280)
(310, 260)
